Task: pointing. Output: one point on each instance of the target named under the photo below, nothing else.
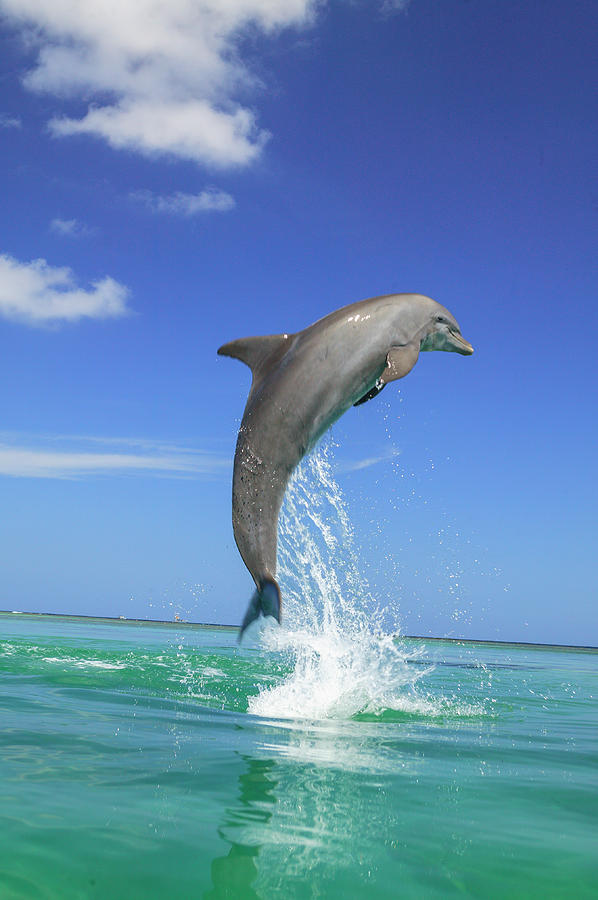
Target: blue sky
(174, 176)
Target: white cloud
(38, 294)
(165, 74)
(70, 228)
(135, 457)
(392, 6)
(210, 200)
(10, 121)
(189, 129)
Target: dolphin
(304, 382)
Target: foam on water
(342, 659)
(84, 663)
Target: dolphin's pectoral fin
(399, 362)
(373, 392)
(265, 602)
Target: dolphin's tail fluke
(265, 602)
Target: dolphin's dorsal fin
(254, 351)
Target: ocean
(329, 757)
(132, 766)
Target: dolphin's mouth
(459, 344)
(448, 340)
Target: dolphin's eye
(441, 319)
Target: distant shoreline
(123, 620)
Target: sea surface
(325, 758)
(159, 761)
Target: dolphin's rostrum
(304, 382)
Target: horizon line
(415, 637)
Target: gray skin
(304, 382)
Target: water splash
(340, 658)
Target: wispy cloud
(7, 121)
(359, 464)
(70, 228)
(72, 458)
(180, 204)
(36, 293)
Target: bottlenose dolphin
(304, 382)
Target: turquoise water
(132, 767)
(325, 758)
